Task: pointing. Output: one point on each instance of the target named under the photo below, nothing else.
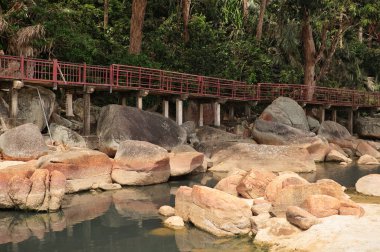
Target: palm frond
(3, 24)
(21, 42)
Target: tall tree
(260, 23)
(186, 16)
(106, 12)
(137, 23)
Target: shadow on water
(127, 219)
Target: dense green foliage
(221, 42)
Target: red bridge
(122, 77)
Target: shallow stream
(127, 220)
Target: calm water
(127, 220)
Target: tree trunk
(259, 29)
(309, 56)
(106, 11)
(245, 11)
(186, 16)
(340, 30)
(137, 22)
(360, 34)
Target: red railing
(167, 82)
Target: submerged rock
(368, 160)
(119, 123)
(140, 163)
(166, 211)
(23, 143)
(175, 222)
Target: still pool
(127, 220)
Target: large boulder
(66, 136)
(283, 180)
(274, 133)
(78, 109)
(119, 123)
(335, 133)
(210, 134)
(68, 123)
(296, 194)
(369, 185)
(24, 187)
(23, 143)
(183, 202)
(368, 127)
(29, 105)
(183, 163)
(140, 163)
(286, 111)
(253, 184)
(229, 183)
(321, 205)
(82, 168)
(334, 233)
(218, 212)
(246, 156)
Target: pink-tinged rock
(82, 168)
(183, 202)
(230, 183)
(57, 190)
(321, 205)
(282, 181)
(40, 190)
(185, 162)
(140, 163)
(219, 213)
(349, 207)
(253, 184)
(19, 189)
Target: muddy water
(127, 220)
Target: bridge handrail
(171, 82)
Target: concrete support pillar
(69, 105)
(13, 108)
(179, 111)
(124, 100)
(217, 114)
(350, 121)
(165, 108)
(231, 113)
(200, 115)
(247, 109)
(139, 103)
(87, 114)
(322, 114)
(333, 115)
